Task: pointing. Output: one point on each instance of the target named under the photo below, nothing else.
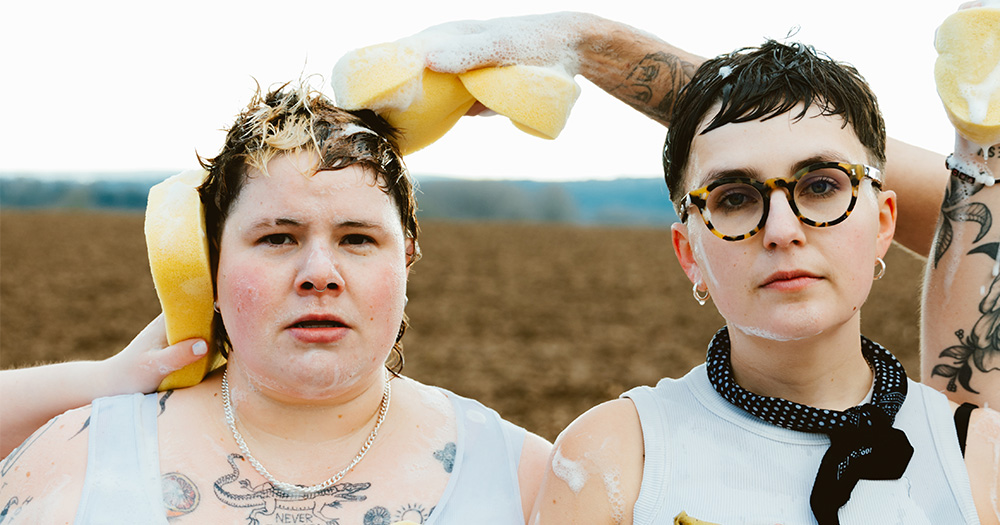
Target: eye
(819, 186)
(357, 239)
(276, 239)
(733, 197)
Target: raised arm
(960, 325)
(647, 73)
(32, 396)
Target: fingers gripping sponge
(178, 259)
(391, 79)
(967, 72)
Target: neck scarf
(863, 443)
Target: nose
(783, 227)
(319, 272)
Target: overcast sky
(114, 85)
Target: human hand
(143, 364)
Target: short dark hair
(288, 120)
(758, 83)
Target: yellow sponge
(178, 259)
(967, 72)
(391, 79)
(536, 99)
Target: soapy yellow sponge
(177, 246)
(967, 72)
(536, 99)
(391, 80)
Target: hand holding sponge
(391, 79)
(177, 246)
(967, 72)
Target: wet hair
(759, 83)
(289, 120)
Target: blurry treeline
(627, 201)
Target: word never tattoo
(979, 349)
(269, 505)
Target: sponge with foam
(967, 72)
(177, 246)
(391, 79)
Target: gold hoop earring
(698, 296)
(881, 268)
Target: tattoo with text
(978, 349)
(989, 153)
(446, 456)
(12, 508)
(180, 495)
(269, 505)
(653, 84)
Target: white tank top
(122, 483)
(718, 463)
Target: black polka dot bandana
(863, 443)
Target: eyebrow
(295, 223)
(752, 173)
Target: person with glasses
(774, 162)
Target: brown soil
(539, 322)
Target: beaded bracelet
(962, 176)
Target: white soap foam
(545, 40)
(725, 71)
(571, 472)
(613, 485)
(978, 96)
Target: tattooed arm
(647, 73)
(32, 396)
(960, 326)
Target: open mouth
(319, 324)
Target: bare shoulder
(982, 459)
(596, 468)
(41, 480)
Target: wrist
(972, 170)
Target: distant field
(539, 322)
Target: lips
(318, 329)
(789, 279)
(318, 321)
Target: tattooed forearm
(956, 209)
(978, 350)
(652, 85)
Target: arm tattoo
(265, 501)
(978, 350)
(446, 456)
(653, 84)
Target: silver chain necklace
(290, 488)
